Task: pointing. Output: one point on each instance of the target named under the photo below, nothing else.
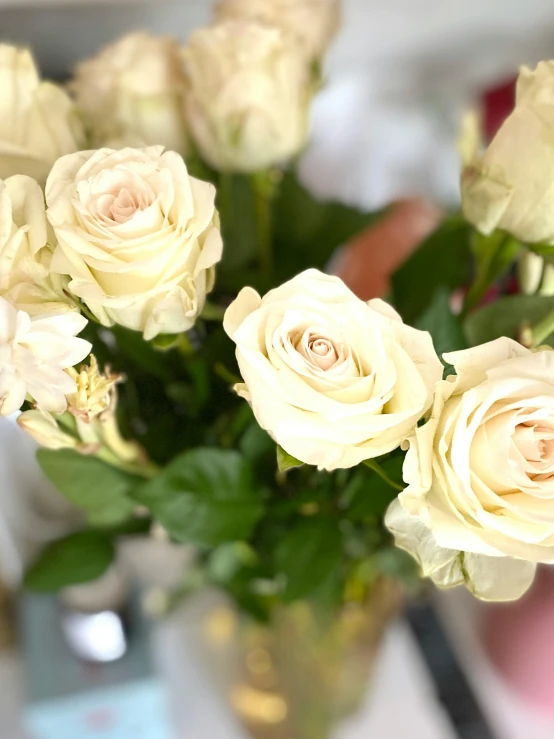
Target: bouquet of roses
(173, 344)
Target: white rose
(25, 255)
(509, 186)
(133, 92)
(138, 237)
(34, 354)
(38, 122)
(334, 380)
(312, 23)
(480, 472)
(248, 98)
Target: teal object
(69, 698)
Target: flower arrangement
(235, 396)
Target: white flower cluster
(238, 93)
(336, 381)
(124, 234)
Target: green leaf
(228, 559)
(368, 495)
(494, 254)
(79, 558)
(204, 497)
(101, 490)
(308, 230)
(506, 317)
(442, 261)
(308, 554)
(285, 461)
(143, 353)
(445, 328)
(256, 443)
(544, 250)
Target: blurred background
(399, 77)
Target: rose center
(120, 206)
(536, 444)
(320, 351)
(126, 204)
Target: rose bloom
(480, 472)
(248, 98)
(332, 379)
(133, 92)
(38, 122)
(509, 186)
(138, 237)
(312, 23)
(25, 255)
(34, 354)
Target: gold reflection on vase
(300, 675)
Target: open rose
(480, 473)
(334, 380)
(138, 237)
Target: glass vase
(300, 675)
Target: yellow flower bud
(94, 393)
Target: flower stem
(542, 329)
(264, 190)
(376, 467)
(146, 469)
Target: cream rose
(480, 473)
(138, 237)
(312, 23)
(334, 380)
(133, 92)
(25, 255)
(248, 98)
(38, 122)
(509, 186)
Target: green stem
(263, 195)
(376, 467)
(183, 346)
(542, 329)
(225, 194)
(85, 310)
(148, 470)
(494, 254)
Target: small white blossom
(34, 354)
